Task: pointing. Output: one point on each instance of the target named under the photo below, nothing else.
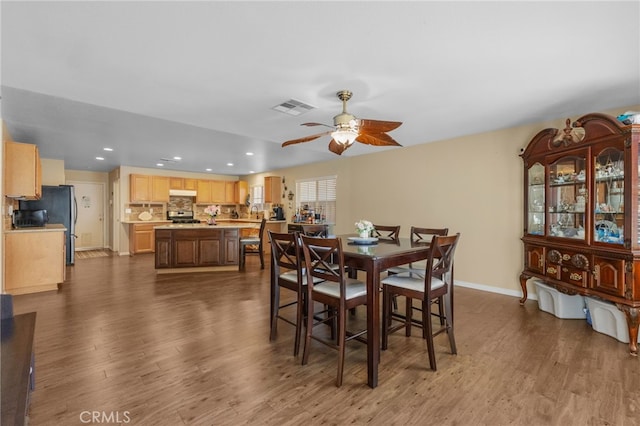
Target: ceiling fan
(349, 129)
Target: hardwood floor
(149, 349)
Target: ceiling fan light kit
(349, 129)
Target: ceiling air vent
(293, 107)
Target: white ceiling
(154, 80)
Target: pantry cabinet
(582, 215)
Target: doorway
(90, 225)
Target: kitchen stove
(181, 216)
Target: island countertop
(223, 225)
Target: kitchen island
(198, 247)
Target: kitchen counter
(144, 221)
(229, 225)
(50, 227)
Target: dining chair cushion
(250, 240)
(411, 281)
(354, 288)
(415, 267)
(292, 276)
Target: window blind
(318, 194)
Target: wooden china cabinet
(581, 215)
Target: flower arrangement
(213, 210)
(364, 228)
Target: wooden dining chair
(315, 230)
(336, 291)
(287, 271)
(436, 282)
(387, 232)
(418, 235)
(253, 245)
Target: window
(257, 197)
(318, 194)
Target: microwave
(30, 218)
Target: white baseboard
(513, 293)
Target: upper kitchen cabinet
(241, 189)
(203, 191)
(22, 171)
(230, 192)
(212, 191)
(145, 188)
(272, 189)
(218, 191)
(183, 183)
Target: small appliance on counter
(278, 213)
(30, 218)
(181, 216)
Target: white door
(90, 224)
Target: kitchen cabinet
(230, 192)
(203, 192)
(183, 183)
(581, 215)
(147, 188)
(35, 259)
(141, 238)
(176, 183)
(215, 191)
(218, 188)
(22, 171)
(272, 189)
(241, 188)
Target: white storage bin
(559, 304)
(607, 319)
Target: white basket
(607, 319)
(559, 304)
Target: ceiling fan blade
(305, 139)
(377, 126)
(316, 124)
(377, 139)
(337, 148)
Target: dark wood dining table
(373, 260)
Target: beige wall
(52, 172)
(472, 185)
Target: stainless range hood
(182, 193)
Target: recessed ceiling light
(100, 158)
(160, 165)
(177, 158)
(208, 170)
(249, 153)
(108, 149)
(230, 164)
(252, 171)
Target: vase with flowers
(212, 211)
(364, 228)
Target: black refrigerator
(60, 204)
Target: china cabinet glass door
(609, 192)
(567, 197)
(536, 200)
